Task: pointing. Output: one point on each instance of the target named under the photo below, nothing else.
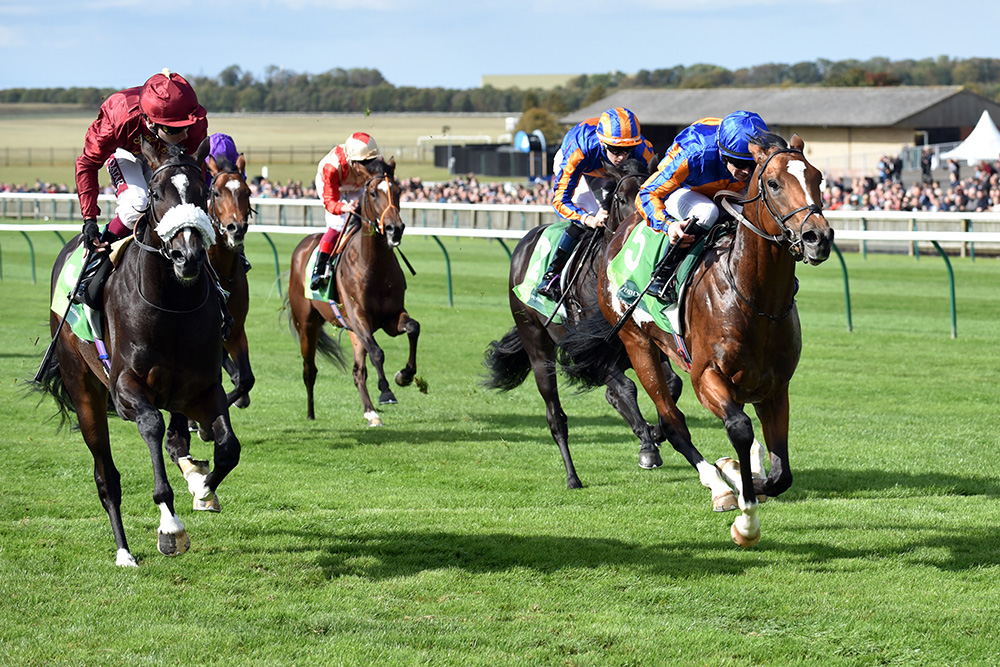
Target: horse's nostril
(810, 237)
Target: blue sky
(425, 43)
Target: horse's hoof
(206, 435)
(649, 459)
(173, 544)
(243, 401)
(725, 502)
(743, 541)
(403, 379)
(373, 419)
(124, 559)
(387, 398)
(209, 504)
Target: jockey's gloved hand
(91, 232)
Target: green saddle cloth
(632, 269)
(317, 295)
(541, 255)
(67, 279)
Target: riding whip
(673, 250)
(52, 343)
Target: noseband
(794, 239)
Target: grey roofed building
(846, 129)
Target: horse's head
(178, 224)
(229, 200)
(789, 188)
(626, 178)
(379, 204)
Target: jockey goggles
(619, 150)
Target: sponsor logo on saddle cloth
(68, 277)
(541, 255)
(632, 269)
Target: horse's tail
(507, 362)
(325, 344)
(585, 357)
(49, 381)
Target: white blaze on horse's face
(384, 187)
(180, 182)
(797, 168)
(233, 185)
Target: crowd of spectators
(979, 192)
(885, 191)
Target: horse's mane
(768, 140)
(630, 167)
(225, 164)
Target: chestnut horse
(741, 327)
(531, 346)
(163, 333)
(370, 285)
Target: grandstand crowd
(883, 191)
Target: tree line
(361, 90)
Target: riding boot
(549, 286)
(90, 290)
(663, 286)
(321, 272)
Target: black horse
(163, 333)
(531, 346)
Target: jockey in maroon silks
(341, 175)
(164, 110)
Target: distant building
(527, 81)
(846, 130)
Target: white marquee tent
(982, 144)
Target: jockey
(707, 157)
(164, 110)
(223, 149)
(341, 175)
(580, 176)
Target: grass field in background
(63, 132)
(448, 537)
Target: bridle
(792, 238)
(369, 202)
(150, 216)
(212, 214)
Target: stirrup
(549, 287)
(320, 281)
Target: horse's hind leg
(308, 329)
(623, 397)
(360, 373)
(412, 328)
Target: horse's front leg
(172, 538)
(715, 393)
(646, 361)
(237, 365)
(202, 481)
(178, 445)
(412, 328)
(360, 373)
(773, 415)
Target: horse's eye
(773, 184)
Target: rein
(793, 239)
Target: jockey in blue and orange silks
(707, 157)
(580, 175)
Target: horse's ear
(653, 163)
(213, 166)
(757, 152)
(797, 143)
(203, 149)
(151, 155)
(241, 164)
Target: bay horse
(371, 287)
(229, 209)
(163, 333)
(741, 327)
(531, 345)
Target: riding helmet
(360, 146)
(168, 99)
(619, 127)
(735, 132)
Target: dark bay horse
(163, 334)
(741, 327)
(371, 287)
(229, 209)
(531, 346)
